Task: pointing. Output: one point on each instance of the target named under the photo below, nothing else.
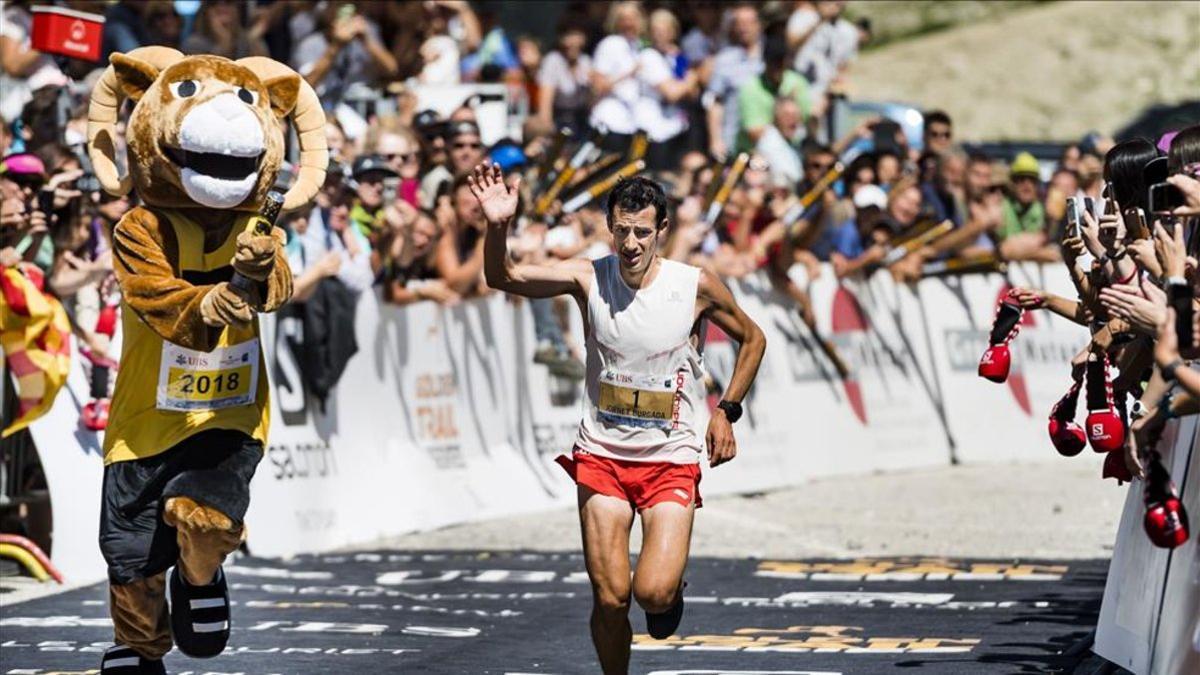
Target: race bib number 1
(637, 400)
(223, 378)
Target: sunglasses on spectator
(473, 146)
(404, 157)
(939, 134)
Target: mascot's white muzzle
(220, 147)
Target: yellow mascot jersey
(166, 393)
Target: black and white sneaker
(662, 626)
(199, 615)
(121, 660)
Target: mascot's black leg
(138, 548)
(205, 504)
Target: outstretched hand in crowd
(1142, 304)
(1171, 249)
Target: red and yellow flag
(35, 335)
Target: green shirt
(364, 220)
(756, 103)
(1016, 221)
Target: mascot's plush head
(206, 131)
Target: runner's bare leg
(605, 523)
(666, 539)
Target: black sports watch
(733, 411)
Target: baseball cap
(24, 165)
(426, 118)
(372, 163)
(870, 195)
(462, 127)
(507, 155)
(1024, 164)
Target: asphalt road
(524, 612)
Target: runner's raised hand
(498, 201)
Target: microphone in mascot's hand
(1105, 430)
(260, 225)
(1166, 520)
(995, 363)
(1067, 436)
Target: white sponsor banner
(1149, 617)
(990, 421)
(442, 416)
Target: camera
(1164, 198)
(88, 183)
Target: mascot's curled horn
(190, 412)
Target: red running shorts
(642, 484)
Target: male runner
(641, 437)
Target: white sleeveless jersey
(645, 380)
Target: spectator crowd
(704, 93)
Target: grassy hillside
(896, 20)
(1047, 71)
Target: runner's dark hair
(634, 194)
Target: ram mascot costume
(190, 412)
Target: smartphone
(1180, 298)
(1089, 205)
(1074, 218)
(391, 187)
(1164, 198)
(45, 202)
(1110, 201)
(1135, 223)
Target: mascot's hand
(226, 305)
(255, 257)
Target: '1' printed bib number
(223, 378)
(646, 401)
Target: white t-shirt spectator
(781, 155)
(15, 92)
(660, 120)
(441, 61)
(616, 58)
(828, 49)
(318, 240)
(570, 84)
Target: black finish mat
(513, 612)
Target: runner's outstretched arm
(499, 204)
(718, 304)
